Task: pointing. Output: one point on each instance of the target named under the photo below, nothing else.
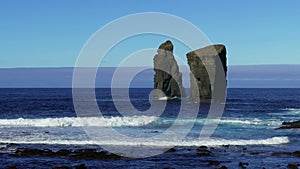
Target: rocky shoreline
(290, 125)
(211, 157)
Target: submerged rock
(12, 167)
(202, 151)
(207, 66)
(81, 166)
(243, 165)
(290, 125)
(295, 153)
(167, 77)
(61, 167)
(86, 154)
(292, 166)
(213, 163)
(171, 150)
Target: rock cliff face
(167, 76)
(205, 73)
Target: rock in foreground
(80, 154)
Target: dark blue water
(46, 119)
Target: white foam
(254, 121)
(291, 109)
(287, 112)
(231, 121)
(79, 121)
(208, 142)
(125, 121)
(163, 98)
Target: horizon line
(52, 67)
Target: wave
(208, 142)
(229, 121)
(79, 121)
(255, 121)
(292, 109)
(287, 112)
(133, 121)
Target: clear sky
(49, 33)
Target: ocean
(39, 128)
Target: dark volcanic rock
(207, 66)
(81, 166)
(24, 152)
(62, 153)
(292, 166)
(243, 165)
(86, 154)
(167, 77)
(91, 154)
(62, 167)
(223, 167)
(12, 167)
(214, 163)
(254, 153)
(295, 153)
(290, 125)
(202, 151)
(171, 150)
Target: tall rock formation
(167, 76)
(206, 72)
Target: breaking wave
(212, 142)
(231, 121)
(79, 121)
(134, 121)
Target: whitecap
(211, 142)
(79, 121)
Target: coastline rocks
(62, 167)
(167, 77)
(207, 66)
(292, 166)
(203, 152)
(223, 167)
(81, 166)
(171, 150)
(290, 125)
(295, 153)
(213, 163)
(86, 154)
(12, 167)
(243, 165)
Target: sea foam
(134, 121)
(79, 121)
(211, 142)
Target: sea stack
(208, 69)
(167, 77)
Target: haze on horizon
(255, 76)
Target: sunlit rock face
(208, 67)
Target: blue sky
(51, 33)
